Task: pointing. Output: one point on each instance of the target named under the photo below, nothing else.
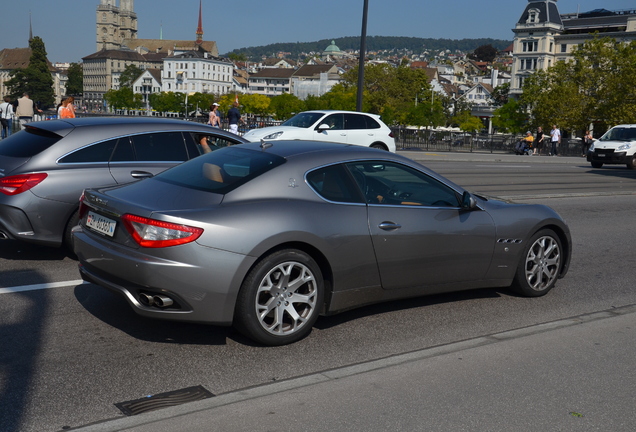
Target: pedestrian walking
(26, 110)
(587, 141)
(538, 142)
(234, 118)
(6, 117)
(215, 118)
(555, 140)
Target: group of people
(536, 144)
(234, 117)
(66, 109)
(24, 110)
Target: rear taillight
(83, 208)
(153, 233)
(17, 184)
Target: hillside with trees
(374, 43)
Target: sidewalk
(569, 375)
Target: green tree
(75, 83)
(35, 79)
(500, 94)
(286, 105)
(129, 75)
(388, 91)
(466, 122)
(511, 117)
(596, 85)
(167, 101)
(124, 98)
(485, 53)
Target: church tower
(534, 41)
(115, 24)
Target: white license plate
(101, 224)
(601, 155)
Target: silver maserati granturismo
(268, 236)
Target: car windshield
(222, 170)
(303, 120)
(620, 134)
(28, 143)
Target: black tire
(378, 146)
(539, 265)
(631, 164)
(597, 164)
(272, 311)
(67, 241)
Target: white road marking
(16, 289)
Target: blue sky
(68, 26)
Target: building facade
(197, 71)
(115, 24)
(543, 36)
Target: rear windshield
(28, 143)
(222, 170)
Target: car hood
(611, 144)
(289, 132)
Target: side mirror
(323, 127)
(468, 201)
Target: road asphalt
(574, 374)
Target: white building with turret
(544, 36)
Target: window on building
(530, 46)
(564, 48)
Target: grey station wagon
(45, 168)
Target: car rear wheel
(378, 146)
(280, 298)
(68, 239)
(540, 264)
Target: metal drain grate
(163, 400)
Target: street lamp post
(363, 43)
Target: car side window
(333, 183)
(360, 121)
(99, 152)
(335, 121)
(159, 147)
(395, 184)
(215, 142)
(123, 151)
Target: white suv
(616, 146)
(346, 127)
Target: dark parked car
(268, 236)
(45, 168)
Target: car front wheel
(540, 264)
(280, 298)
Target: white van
(616, 146)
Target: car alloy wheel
(540, 264)
(280, 298)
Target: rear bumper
(203, 282)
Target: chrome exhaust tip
(162, 301)
(146, 299)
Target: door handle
(389, 226)
(141, 174)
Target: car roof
(293, 148)
(127, 124)
(340, 111)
